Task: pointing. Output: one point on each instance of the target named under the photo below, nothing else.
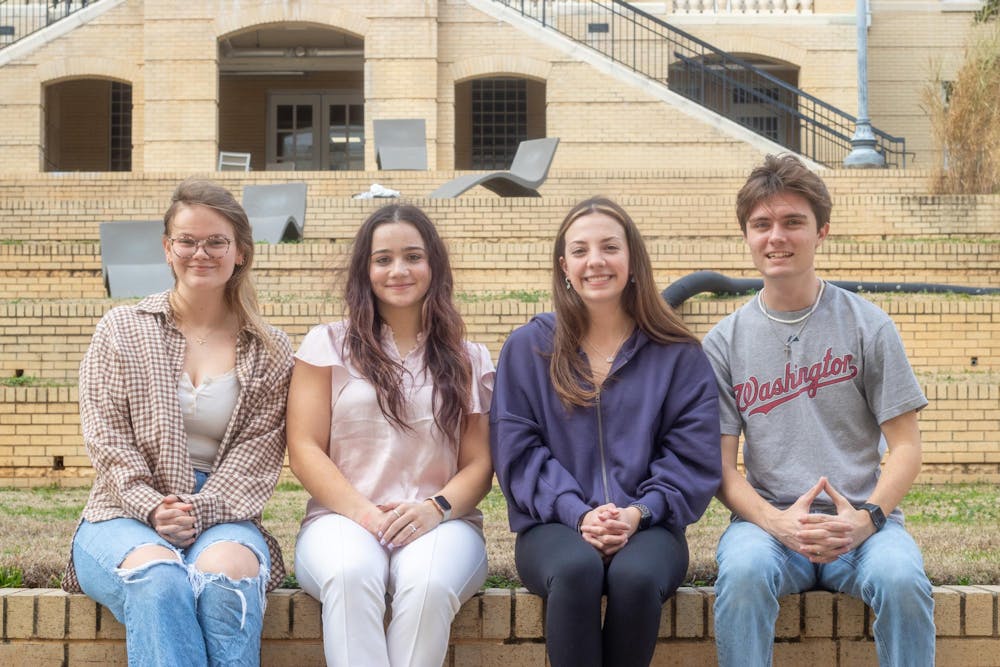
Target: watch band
(645, 516)
(875, 512)
(443, 506)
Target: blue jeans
(173, 613)
(886, 572)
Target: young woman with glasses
(182, 402)
(387, 429)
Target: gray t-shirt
(816, 409)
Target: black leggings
(556, 563)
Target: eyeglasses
(186, 247)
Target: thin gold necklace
(609, 359)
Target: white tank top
(207, 410)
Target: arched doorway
(292, 95)
(492, 116)
(88, 125)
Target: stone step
(944, 334)
(659, 216)
(72, 270)
(156, 187)
(40, 441)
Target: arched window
(493, 115)
(88, 125)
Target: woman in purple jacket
(605, 438)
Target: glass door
(345, 122)
(316, 131)
(293, 140)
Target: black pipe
(683, 289)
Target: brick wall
(885, 228)
(44, 626)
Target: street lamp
(863, 154)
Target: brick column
(401, 69)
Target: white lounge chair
(233, 161)
(277, 212)
(401, 144)
(527, 172)
(132, 259)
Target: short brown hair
(783, 173)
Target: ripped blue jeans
(173, 613)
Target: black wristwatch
(645, 516)
(875, 512)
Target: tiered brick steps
(885, 228)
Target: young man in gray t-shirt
(817, 381)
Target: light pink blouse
(384, 463)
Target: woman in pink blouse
(387, 430)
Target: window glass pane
(284, 116)
(357, 114)
(338, 114)
(303, 116)
(499, 121)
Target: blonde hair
(240, 294)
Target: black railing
(728, 85)
(20, 18)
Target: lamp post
(863, 154)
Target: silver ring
(413, 528)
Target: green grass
(961, 504)
(520, 295)
(955, 526)
(30, 381)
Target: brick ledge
(499, 626)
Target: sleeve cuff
(659, 514)
(206, 510)
(568, 509)
(142, 501)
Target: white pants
(344, 567)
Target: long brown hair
(240, 294)
(567, 370)
(445, 356)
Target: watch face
(442, 503)
(877, 515)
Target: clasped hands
(173, 521)
(396, 524)
(608, 527)
(822, 538)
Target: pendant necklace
(610, 358)
(794, 338)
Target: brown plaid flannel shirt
(134, 430)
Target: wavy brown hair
(240, 294)
(569, 373)
(445, 356)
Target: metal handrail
(709, 76)
(20, 18)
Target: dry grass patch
(955, 526)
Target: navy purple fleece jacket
(658, 421)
